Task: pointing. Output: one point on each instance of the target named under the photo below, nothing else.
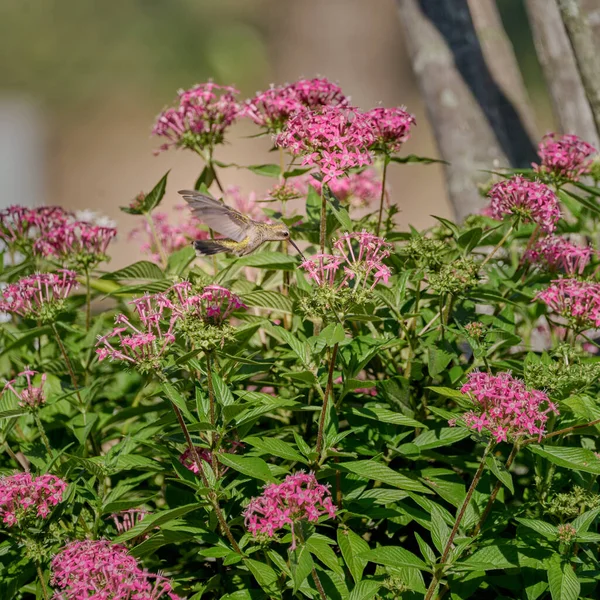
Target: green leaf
(268, 260)
(578, 459)
(365, 590)
(499, 470)
(223, 394)
(177, 399)
(352, 547)
(252, 466)
(142, 269)
(564, 584)
(180, 259)
(155, 520)
(440, 532)
(11, 414)
(379, 472)
(582, 522)
(438, 360)
(394, 556)
(496, 556)
(319, 546)
(300, 348)
(313, 206)
(384, 415)
(266, 170)
(206, 178)
(151, 200)
(413, 158)
(276, 447)
(332, 334)
(548, 531)
(264, 575)
(588, 203)
(301, 564)
(268, 299)
(435, 438)
(469, 239)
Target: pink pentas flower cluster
(188, 461)
(214, 305)
(200, 119)
(564, 156)
(272, 108)
(171, 236)
(577, 301)
(39, 296)
(102, 570)
(391, 127)
(126, 519)
(332, 138)
(31, 396)
(357, 188)
(76, 242)
(23, 496)
(555, 253)
(531, 201)
(361, 259)
(505, 407)
(300, 497)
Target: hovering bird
(244, 235)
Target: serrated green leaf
(301, 564)
(578, 459)
(248, 465)
(563, 581)
(436, 438)
(223, 394)
(319, 547)
(152, 199)
(379, 472)
(268, 299)
(265, 576)
(394, 556)
(365, 590)
(268, 260)
(276, 447)
(499, 470)
(142, 269)
(546, 529)
(353, 547)
(384, 415)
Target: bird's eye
(286, 234)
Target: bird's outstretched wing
(222, 218)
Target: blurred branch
(569, 100)
(586, 54)
(500, 58)
(475, 124)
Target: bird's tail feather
(210, 247)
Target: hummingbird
(243, 234)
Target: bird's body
(244, 235)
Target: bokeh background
(81, 82)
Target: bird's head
(281, 232)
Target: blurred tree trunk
(569, 100)
(475, 125)
(586, 54)
(500, 57)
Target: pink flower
(564, 157)
(214, 305)
(126, 519)
(187, 460)
(24, 497)
(357, 189)
(172, 236)
(505, 407)
(555, 253)
(332, 138)
(391, 127)
(76, 241)
(298, 498)
(20, 226)
(578, 301)
(200, 119)
(102, 570)
(362, 259)
(272, 108)
(38, 296)
(30, 396)
(529, 200)
(247, 205)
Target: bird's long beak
(298, 249)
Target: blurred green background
(81, 82)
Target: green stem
(382, 198)
(42, 581)
(42, 433)
(88, 300)
(63, 351)
(323, 228)
(498, 246)
(211, 391)
(328, 393)
(157, 242)
(492, 498)
(461, 513)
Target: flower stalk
(328, 393)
